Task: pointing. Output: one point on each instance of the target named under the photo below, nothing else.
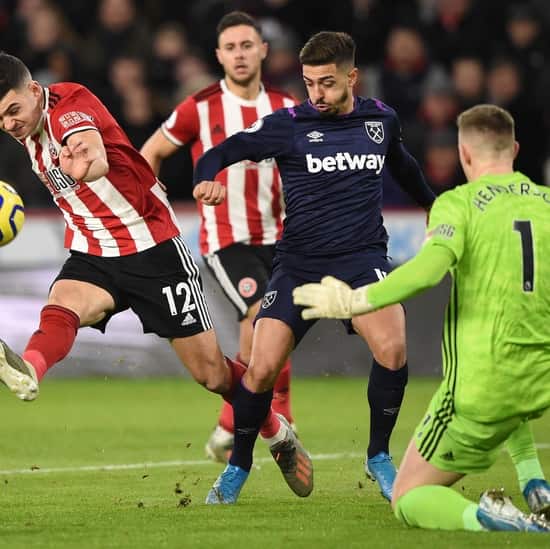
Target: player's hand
(211, 193)
(332, 298)
(75, 159)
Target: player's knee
(390, 353)
(261, 377)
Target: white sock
(277, 437)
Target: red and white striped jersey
(122, 213)
(253, 211)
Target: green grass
(94, 422)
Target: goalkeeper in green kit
(493, 235)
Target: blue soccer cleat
(537, 496)
(380, 468)
(227, 487)
(497, 512)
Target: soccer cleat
(17, 374)
(294, 462)
(219, 445)
(497, 512)
(228, 486)
(380, 468)
(537, 496)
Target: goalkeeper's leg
(531, 479)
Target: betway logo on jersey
(345, 161)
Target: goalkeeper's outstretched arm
(333, 298)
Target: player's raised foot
(220, 445)
(497, 512)
(17, 374)
(294, 461)
(380, 468)
(537, 496)
(228, 486)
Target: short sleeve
(182, 126)
(447, 226)
(76, 113)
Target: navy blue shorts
(356, 270)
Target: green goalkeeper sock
(437, 507)
(522, 450)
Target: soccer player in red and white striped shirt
(125, 246)
(237, 237)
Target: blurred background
(429, 59)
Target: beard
(336, 107)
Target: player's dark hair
(491, 121)
(328, 47)
(236, 18)
(13, 73)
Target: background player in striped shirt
(331, 151)
(493, 235)
(125, 246)
(237, 238)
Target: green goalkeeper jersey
(496, 341)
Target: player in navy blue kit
(331, 152)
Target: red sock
(53, 339)
(271, 425)
(226, 417)
(281, 393)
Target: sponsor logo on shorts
(188, 320)
(448, 456)
(269, 299)
(247, 286)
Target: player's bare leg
(384, 332)
(422, 498)
(220, 443)
(273, 342)
(71, 304)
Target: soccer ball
(12, 213)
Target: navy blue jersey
(331, 169)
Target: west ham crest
(375, 130)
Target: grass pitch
(120, 464)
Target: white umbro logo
(315, 137)
(189, 319)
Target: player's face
(330, 87)
(241, 52)
(21, 110)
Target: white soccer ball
(12, 213)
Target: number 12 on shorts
(182, 289)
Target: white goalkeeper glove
(332, 298)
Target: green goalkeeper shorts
(452, 442)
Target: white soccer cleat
(497, 512)
(17, 374)
(220, 445)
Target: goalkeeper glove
(332, 298)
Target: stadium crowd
(429, 59)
